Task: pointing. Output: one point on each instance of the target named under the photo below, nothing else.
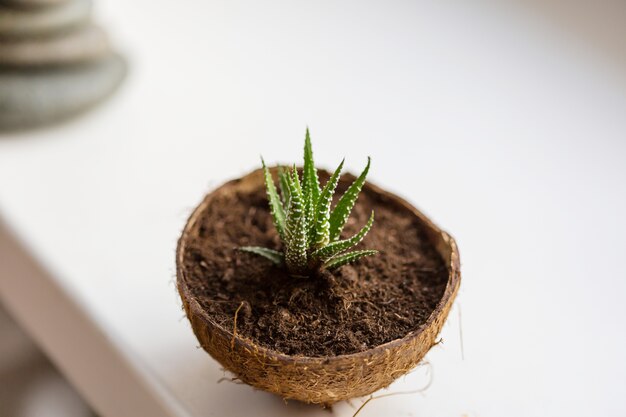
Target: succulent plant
(303, 218)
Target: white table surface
(506, 128)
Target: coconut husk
(318, 380)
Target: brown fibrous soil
(357, 307)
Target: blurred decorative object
(54, 62)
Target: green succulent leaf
(276, 207)
(283, 177)
(295, 181)
(344, 206)
(322, 211)
(347, 258)
(310, 218)
(274, 256)
(310, 180)
(296, 236)
(332, 249)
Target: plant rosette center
(308, 228)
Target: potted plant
(306, 296)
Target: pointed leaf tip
(276, 206)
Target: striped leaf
(310, 180)
(347, 258)
(276, 207)
(283, 177)
(295, 180)
(335, 248)
(296, 237)
(274, 256)
(344, 206)
(310, 218)
(322, 210)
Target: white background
(505, 127)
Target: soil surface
(357, 307)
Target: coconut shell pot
(323, 379)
